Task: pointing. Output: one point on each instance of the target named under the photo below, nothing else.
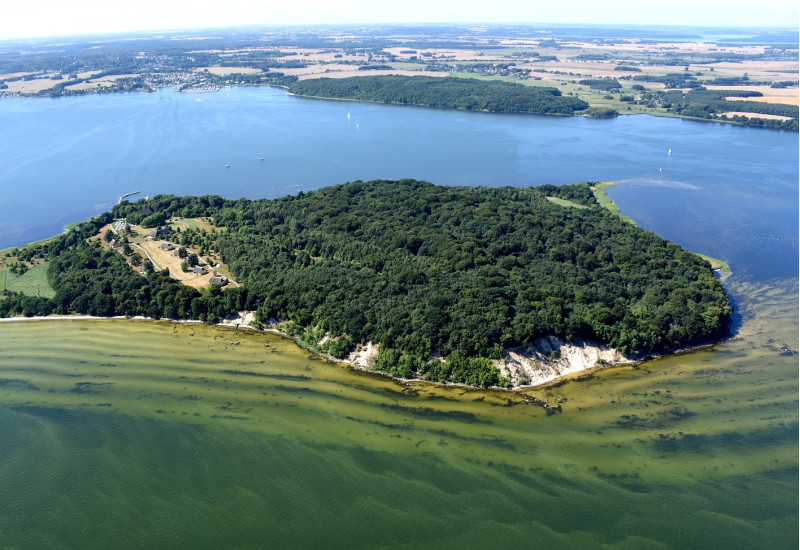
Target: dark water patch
(425, 412)
(16, 383)
(526, 477)
(636, 422)
(302, 390)
(440, 397)
(712, 372)
(629, 482)
(398, 427)
(779, 434)
(89, 387)
(492, 441)
(297, 377)
(382, 391)
(659, 420)
(230, 417)
(582, 378)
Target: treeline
(455, 93)
(605, 84)
(711, 104)
(418, 269)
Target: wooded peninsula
(455, 93)
(442, 279)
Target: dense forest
(457, 272)
(456, 93)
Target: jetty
(126, 195)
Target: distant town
(746, 79)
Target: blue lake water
(158, 435)
(724, 191)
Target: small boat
(260, 158)
(227, 166)
(348, 115)
(669, 152)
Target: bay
(153, 434)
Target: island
(446, 284)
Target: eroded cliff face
(551, 357)
(364, 356)
(545, 360)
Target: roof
(160, 231)
(218, 280)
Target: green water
(136, 434)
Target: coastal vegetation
(425, 272)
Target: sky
(34, 18)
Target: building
(160, 232)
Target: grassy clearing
(716, 264)
(32, 283)
(192, 223)
(564, 202)
(603, 200)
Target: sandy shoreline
(359, 360)
(525, 368)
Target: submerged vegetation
(424, 271)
